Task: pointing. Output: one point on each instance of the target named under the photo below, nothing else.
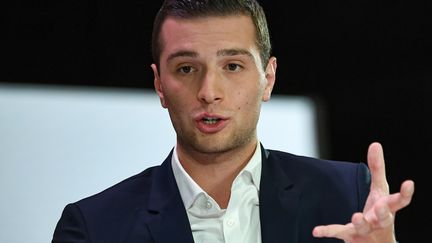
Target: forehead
(207, 34)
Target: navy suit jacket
(296, 194)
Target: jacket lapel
(167, 221)
(165, 218)
(279, 199)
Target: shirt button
(208, 205)
(230, 222)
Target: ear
(270, 75)
(158, 85)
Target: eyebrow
(182, 54)
(235, 52)
(223, 52)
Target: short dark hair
(188, 9)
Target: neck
(215, 172)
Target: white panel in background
(58, 145)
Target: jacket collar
(278, 217)
(165, 217)
(167, 220)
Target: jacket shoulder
(122, 192)
(313, 165)
(350, 179)
(106, 216)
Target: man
(212, 69)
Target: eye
(185, 69)
(234, 67)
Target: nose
(211, 88)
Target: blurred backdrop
(367, 64)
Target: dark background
(366, 62)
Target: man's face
(212, 82)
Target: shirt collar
(190, 190)
(253, 167)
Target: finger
(402, 199)
(361, 226)
(376, 165)
(334, 231)
(407, 189)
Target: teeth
(208, 120)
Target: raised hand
(376, 222)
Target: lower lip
(211, 128)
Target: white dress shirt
(239, 222)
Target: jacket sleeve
(71, 227)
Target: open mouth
(208, 123)
(210, 120)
